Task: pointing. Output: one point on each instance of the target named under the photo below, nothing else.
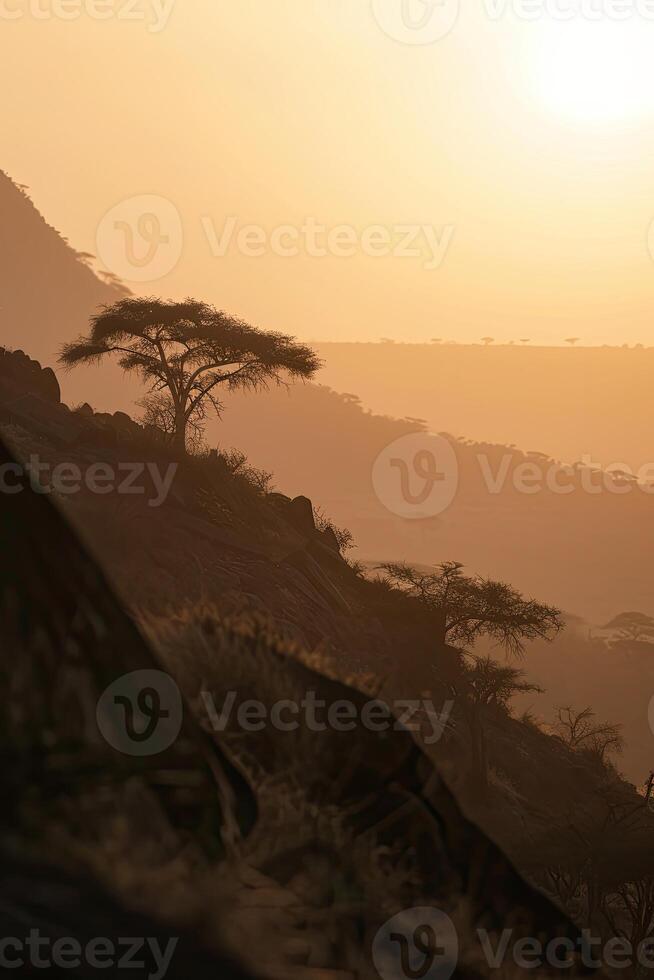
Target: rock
(300, 514)
(330, 540)
(123, 421)
(86, 411)
(51, 389)
(28, 377)
(278, 499)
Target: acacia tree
(486, 688)
(467, 607)
(632, 626)
(187, 351)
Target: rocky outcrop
(20, 375)
(299, 513)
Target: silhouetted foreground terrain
(65, 638)
(239, 591)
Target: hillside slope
(583, 550)
(221, 549)
(564, 401)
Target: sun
(598, 71)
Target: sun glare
(597, 71)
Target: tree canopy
(468, 607)
(632, 625)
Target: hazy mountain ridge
(568, 402)
(584, 551)
(47, 289)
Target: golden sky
(511, 157)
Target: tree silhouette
(632, 626)
(579, 730)
(486, 689)
(486, 341)
(187, 351)
(572, 340)
(468, 607)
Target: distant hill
(47, 289)
(586, 552)
(564, 401)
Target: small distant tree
(486, 688)
(572, 340)
(524, 340)
(189, 351)
(486, 341)
(581, 732)
(632, 626)
(467, 607)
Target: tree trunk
(179, 436)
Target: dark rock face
(20, 374)
(300, 514)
